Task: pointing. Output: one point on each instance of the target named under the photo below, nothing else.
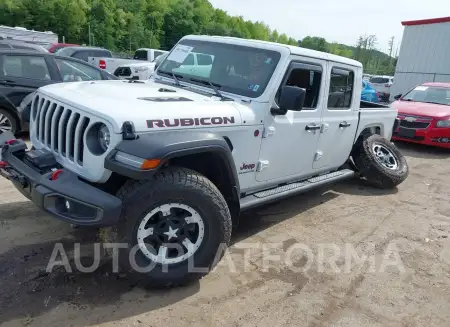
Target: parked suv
(22, 72)
(382, 84)
(167, 165)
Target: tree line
(124, 25)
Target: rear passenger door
(340, 117)
(23, 74)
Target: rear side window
(101, 53)
(141, 55)
(379, 80)
(26, 67)
(82, 55)
(189, 60)
(157, 53)
(341, 88)
(204, 60)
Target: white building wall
(22, 34)
(424, 56)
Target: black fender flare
(168, 145)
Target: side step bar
(284, 191)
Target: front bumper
(66, 197)
(439, 137)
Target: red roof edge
(426, 21)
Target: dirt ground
(409, 226)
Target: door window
(308, 77)
(72, 71)
(82, 55)
(25, 67)
(341, 89)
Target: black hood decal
(165, 99)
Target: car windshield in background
(230, 68)
(427, 94)
(379, 80)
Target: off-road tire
(371, 169)
(172, 185)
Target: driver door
(290, 141)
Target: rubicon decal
(205, 121)
(246, 168)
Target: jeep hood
(150, 106)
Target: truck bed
(111, 63)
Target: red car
(424, 114)
(56, 46)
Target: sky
(342, 21)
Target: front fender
(168, 145)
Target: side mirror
(398, 96)
(291, 98)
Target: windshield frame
(279, 51)
(403, 98)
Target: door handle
(344, 124)
(312, 127)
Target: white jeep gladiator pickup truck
(167, 165)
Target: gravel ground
(405, 280)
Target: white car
(169, 164)
(142, 57)
(382, 84)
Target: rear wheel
(176, 227)
(380, 162)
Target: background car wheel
(172, 223)
(8, 122)
(380, 162)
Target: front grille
(415, 125)
(420, 122)
(60, 128)
(122, 71)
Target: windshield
(231, 68)
(429, 94)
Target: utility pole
(89, 28)
(391, 46)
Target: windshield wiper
(174, 76)
(435, 102)
(213, 86)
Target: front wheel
(176, 227)
(8, 122)
(380, 162)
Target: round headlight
(104, 137)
